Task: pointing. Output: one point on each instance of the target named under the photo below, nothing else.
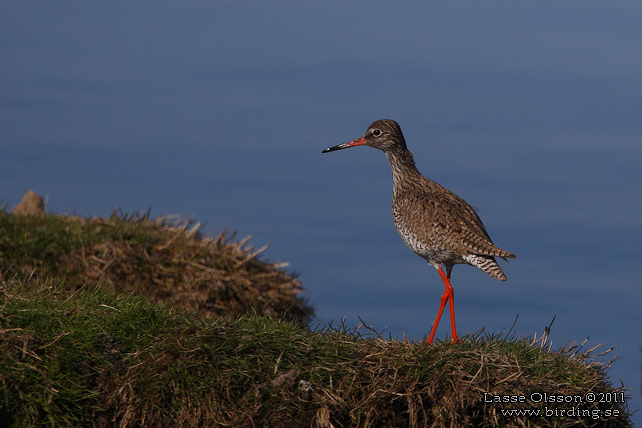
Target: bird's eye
(376, 132)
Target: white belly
(432, 252)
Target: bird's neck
(404, 171)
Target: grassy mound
(164, 262)
(98, 358)
(85, 342)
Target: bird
(432, 221)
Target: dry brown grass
(167, 261)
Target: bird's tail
(487, 264)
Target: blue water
(219, 111)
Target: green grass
(98, 358)
(87, 354)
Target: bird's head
(384, 134)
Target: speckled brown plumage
(434, 222)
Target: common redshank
(434, 222)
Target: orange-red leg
(448, 295)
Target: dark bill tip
(332, 149)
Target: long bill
(358, 142)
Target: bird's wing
(440, 217)
(473, 233)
